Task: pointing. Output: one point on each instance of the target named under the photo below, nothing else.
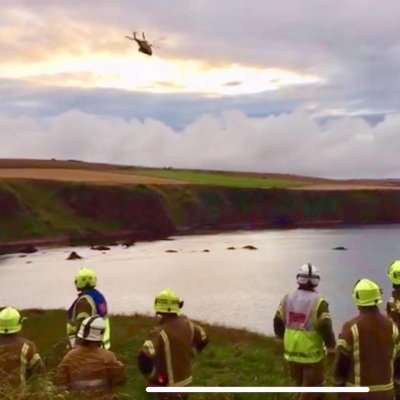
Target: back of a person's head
(85, 279)
(167, 302)
(10, 321)
(367, 294)
(308, 277)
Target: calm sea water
(231, 287)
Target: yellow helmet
(167, 301)
(393, 272)
(10, 321)
(85, 277)
(367, 293)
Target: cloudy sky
(309, 87)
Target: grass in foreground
(219, 179)
(233, 357)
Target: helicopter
(144, 46)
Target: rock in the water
(206, 251)
(339, 248)
(74, 256)
(101, 248)
(128, 243)
(171, 251)
(250, 247)
(27, 249)
(230, 248)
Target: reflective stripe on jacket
(393, 307)
(18, 359)
(89, 384)
(170, 350)
(367, 348)
(302, 342)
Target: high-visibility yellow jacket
(303, 322)
(88, 303)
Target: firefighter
(89, 302)
(393, 305)
(19, 359)
(367, 352)
(303, 323)
(166, 357)
(89, 369)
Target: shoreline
(70, 214)
(129, 238)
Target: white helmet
(308, 274)
(92, 329)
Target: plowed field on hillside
(81, 175)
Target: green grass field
(220, 179)
(234, 357)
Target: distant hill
(111, 174)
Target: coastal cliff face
(74, 212)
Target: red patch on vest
(296, 318)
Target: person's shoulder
(23, 339)
(385, 320)
(30, 343)
(284, 297)
(71, 354)
(322, 301)
(95, 290)
(83, 298)
(156, 330)
(349, 324)
(107, 355)
(184, 318)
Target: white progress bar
(256, 389)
